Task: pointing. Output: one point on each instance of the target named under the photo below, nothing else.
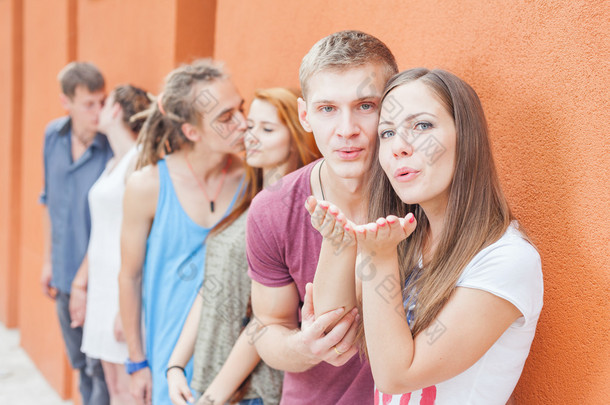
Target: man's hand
(78, 305)
(140, 386)
(119, 336)
(332, 224)
(336, 346)
(45, 281)
(179, 391)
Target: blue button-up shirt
(66, 189)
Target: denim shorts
(253, 401)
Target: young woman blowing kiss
(452, 289)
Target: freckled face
(417, 145)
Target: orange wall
(541, 70)
(46, 48)
(136, 41)
(10, 121)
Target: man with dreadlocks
(188, 179)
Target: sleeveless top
(225, 293)
(172, 276)
(106, 207)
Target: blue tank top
(173, 275)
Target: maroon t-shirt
(284, 248)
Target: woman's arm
(179, 391)
(241, 362)
(78, 294)
(334, 280)
(139, 204)
(467, 326)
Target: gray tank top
(225, 293)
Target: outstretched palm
(384, 234)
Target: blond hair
(343, 50)
(181, 101)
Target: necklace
(222, 180)
(320, 178)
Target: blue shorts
(253, 401)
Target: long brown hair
(133, 100)
(303, 147)
(179, 103)
(477, 212)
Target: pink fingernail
(411, 219)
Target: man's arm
(284, 346)
(139, 204)
(47, 266)
(335, 281)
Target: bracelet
(170, 367)
(131, 367)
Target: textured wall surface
(540, 67)
(8, 271)
(136, 41)
(47, 46)
(541, 70)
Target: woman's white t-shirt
(510, 269)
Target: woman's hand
(331, 223)
(179, 391)
(383, 235)
(119, 336)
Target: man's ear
(302, 105)
(190, 132)
(65, 102)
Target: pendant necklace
(222, 180)
(320, 178)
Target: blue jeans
(92, 384)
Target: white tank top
(106, 207)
